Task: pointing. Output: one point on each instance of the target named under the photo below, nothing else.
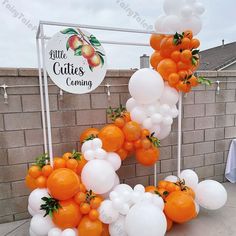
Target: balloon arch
(79, 193)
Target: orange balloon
(155, 59)
(147, 157)
(194, 43)
(166, 67)
(180, 207)
(34, 171)
(89, 227)
(122, 153)
(81, 163)
(41, 182)
(155, 41)
(169, 224)
(68, 216)
(151, 189)
(105, 230)
(47, 170)
(132, 131)
(112, 138)
(173, 79)
(59, 162)
(30, 182)
(63, 184)
(88, 132)
(175, 56)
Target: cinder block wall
(209, 125)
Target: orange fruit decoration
(169, 224)
(132, 131)
(41, 182)
(179, 207)
(155, 41)
(112, 138)
(68, 216)
(95, 202)
(72, 164)
(189, 191)
(34, 171)
(89, 227)
(30, 182)
(81, 163)
(93, 214)
(105, 230)
(63, 184)
(166, 67)
(80, 198)
(47, 170)
(66, 156)
(155, 59)
(87, 133)
(84, 208)
(147, 157)
(119, 122)
(151, 189)
(59, 162)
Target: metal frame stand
(43, 82)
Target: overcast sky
(17, 44)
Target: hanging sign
(75, 61)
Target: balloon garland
(82, 195)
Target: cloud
(17, 42)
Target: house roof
(218, 57)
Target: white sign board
(75, 61)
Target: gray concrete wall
(209, 125)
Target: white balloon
(114, 159)
(55, 232)
(136, 197)
(100, 154)
(158, 201)
(96, 143)
(197, 207)
(167, 120)
(169, 96)
(89, 155)
(174, 111)
(157, 118)
(172, 24)
(190, 177)
(147, 197)
(131, 104)
(87, 145)
(146, 86)
(139, 188)
(125, 209)
(99, 176)
(151, 109)
(171, 178)
(193, 23)
(122, 188)
(190, 2)
(199, 8)
(156, 130)
(117, 203)
(41, 225)
(164, 132)
(144, 218)
(211, 195)
(138, 115)
(107, 213)
(68, 232)
(35, 199)
(172, 6)
(186, 11)
(31, 211)
(32, 233)
(117, 182)
(159, 24)
(118, 227)
(147, 123)
(165, 110)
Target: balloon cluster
(180, 15)
(153, 103)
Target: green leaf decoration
(204, 81)
(116, 112)
(177, 38)
(90, 137)
(101, 54)
(102, 59)
(42, 160)
(51, 205)
(67, 45)
(91, 68)
(69, 31)
(76, 155)
(194, 61)
(78, 51)
(93, 40)
(195, 52)
(155, 141)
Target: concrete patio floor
(209, 223)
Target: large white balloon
(211, 195)
(55, 232)
(172, 6)
(117, 182)
(131, 104)
(117, 228)
(171, 24)
(107, 213)
(98, 175)
(190, 177)
(163, 132)
(35, 199)
(31, 211)
(145, 218)
(169, 96)
(159, 24)
(198, 8)
(171, 178)
(41, 225)
(146, 86)
(194, 23)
